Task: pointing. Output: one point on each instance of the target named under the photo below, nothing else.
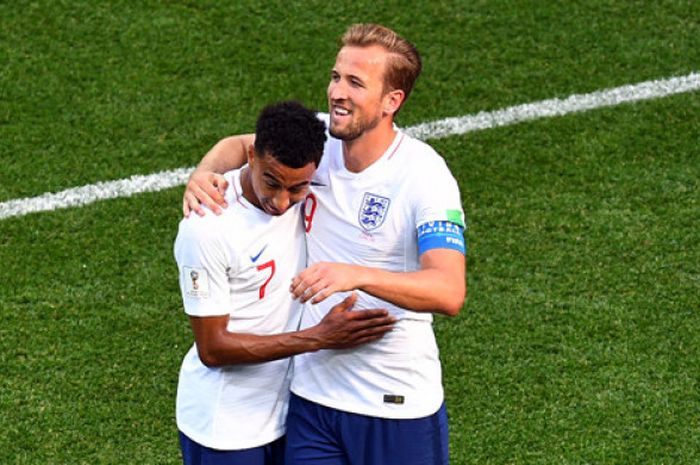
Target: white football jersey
(370, 219)
(238, 264)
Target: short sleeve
(437, 196)
(203, 268)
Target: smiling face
(272, 186)
(356, 93)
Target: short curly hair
(290, 133)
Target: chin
(343, 135)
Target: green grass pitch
(579, 342)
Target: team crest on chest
(373, 211)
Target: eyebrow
(273, 178)
(347, 75)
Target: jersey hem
(228, 446)
(389, 415)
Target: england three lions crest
(373, 211)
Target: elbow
(209, 357)
(209, 360)
(454, 302)
(453, 308)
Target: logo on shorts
(373, 211)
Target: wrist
(362, 276)
(311, 339)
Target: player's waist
(314, 313)
(388, 387)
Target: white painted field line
(93, 192)
(556, 107)
(432, 130)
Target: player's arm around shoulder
(206, 185)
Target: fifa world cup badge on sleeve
(373, 211)
(196, 282)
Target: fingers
(320, 281)
(302, 281)
(346, 304)
(204, 189)
(369, 335)
(379, 322)
(185, 208)
(221, 184)
(194, 197)
(297, 288)
(216, 191)
(349, 301)
(320, 296)
(190, 204)
(370, 314)
(318, 291)
(344, 328)
(307, 285)
(209, 196)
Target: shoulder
(212, 227)
(431, 184)
(421, 159)
(201, 229)
(234, 190)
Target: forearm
(427, 290)
(438, 286)
(227, 154)
(236, 348)
(339, 329)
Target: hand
(322, 280)
(206, 188)
(343, 328)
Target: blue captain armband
(441, 235)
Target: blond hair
(403, 65)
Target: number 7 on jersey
(271, 265)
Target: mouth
(339, 111)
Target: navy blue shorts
(194, 453)
(319, 435)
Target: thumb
(347, 303)
(220, 183)
(223, 185)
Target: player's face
(356, 91)
(277, 187)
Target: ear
(392, 101)
(251, 154)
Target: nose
(281, 201)
(336, 90)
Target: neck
(360, 153)
(247, 187)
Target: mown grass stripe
(556, 107)
(84, 195)
(431, 130)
